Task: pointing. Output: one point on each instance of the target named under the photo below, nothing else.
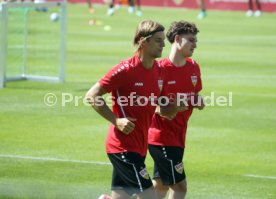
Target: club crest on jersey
(194, 79)
(144, 173)
(179, 168)
(160, 84)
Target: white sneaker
(104, 196)
(101, 197)
(258, 13)
(201, 15)
(131, 9)
(110, 11)
(249, 13)
(138, 13)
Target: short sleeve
(199, 83)
(162, 76)
(114, 79)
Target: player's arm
(94, 97)
(169, 111)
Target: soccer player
(250, 12)
(131, 3)
(167, 135)
(90, 6)
(131, 83)
(111, 7)
(135, 6)
(202, 14)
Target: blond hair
(145, 30)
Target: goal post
(32, 41)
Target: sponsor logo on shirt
(144, 173)
(171, 82)
(179, 168)
(194, 79)
(139, 84)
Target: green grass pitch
(230, 152)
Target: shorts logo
(194, 79)
(179, 168)
(144, 173)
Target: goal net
(32, 41)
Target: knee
(180, 187)
(161, 194)
(160, 189)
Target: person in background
(250, 11)
(202, 14)
(90, 6)
(133, 6)
(111, 7)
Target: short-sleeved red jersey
(130, 80)
(185, 80)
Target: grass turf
(224, 144)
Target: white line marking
(257, 176)
(52, 159)
(243, 77)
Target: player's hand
(169, 117)
(178, 108)
(200, 103)
(173, 108)
(125, 125)
(181, 106)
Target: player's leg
(258, 11)
(111, 8)
(119, 194)
(250, 4)
(201, 5)
(131, 6)
(146, 194)
(178, 190)
(170, 169)
(160, 189)
(137, 4)
(130, 176)
(90, 6)
(258, 3)
(250, 13)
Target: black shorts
(129, 172)
(168, 163)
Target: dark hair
(181, 28)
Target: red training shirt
(184, 80)
(130, 79)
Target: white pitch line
(52, 159)
(239, 76)
(257, 176)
